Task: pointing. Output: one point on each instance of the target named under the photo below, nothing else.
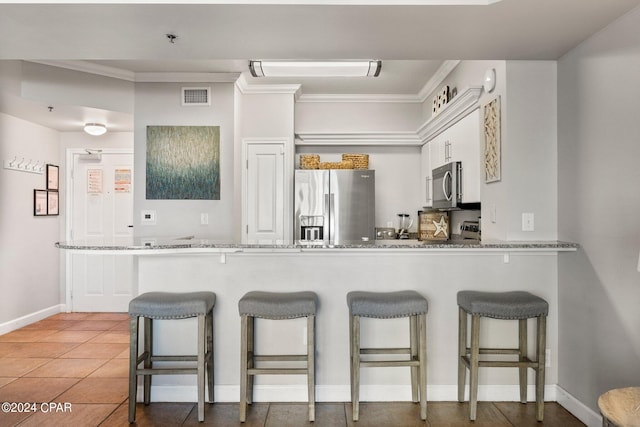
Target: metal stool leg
(201, 364)
(422, 340)
(541, 344)
(522, 356)
(462, 352)
(133, 365)
(148, 354)
(311, 367)
(355, 367)
(414, 340)
(473, 371)
(243, 367)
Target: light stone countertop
(190, 244)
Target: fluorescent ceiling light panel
(369, 68)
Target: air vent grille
(196, 96)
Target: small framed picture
(53, 206)
(39, 202)
(53, 177)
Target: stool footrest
(172, 358)
(496, 350)
(166, 371)
(526, 363)
(388, 363)
(392, 350)
(277, 371)
(279, 357)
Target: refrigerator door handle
(332, 217)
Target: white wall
(599, 207)
(159, 104)
(29, 271)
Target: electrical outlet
(547, 358)
(528, 221)
(204, 219)
(390, 224)
(492, 213)
(148, 217)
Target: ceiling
(412, 39)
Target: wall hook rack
(23, 165)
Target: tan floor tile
(297, 414)
(155, 415)
(10, 347)
(71, 336)
(121, 326)
(114, 368)
(454, 414)
(67, 368)
(112, 336)
(525, 415)
(108, 316)
(227, 414)
(35, 389)
(26, 335)
(406, 414)
(97, 390)
(17, 367)
(12, 419)
(123, 355)
(77, 415)
(69, 316)
(42, 349)
(96, 351)
(52, 324)
(93, 325)
(6, 380)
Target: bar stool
(620, 407)
(165, 305)
(515, 305)
(386, 305)
(275, 306)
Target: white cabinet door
(265, 193)
(466, 149)
(425, 182)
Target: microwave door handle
(459, 182)
(447, 175)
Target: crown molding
(438, 77)
(252, 89)
(186, 77)
(91, 68)
(455, 110)
(377, 98)
(358, 138)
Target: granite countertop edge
(195, 245)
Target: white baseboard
(578, 409)
(20, 322)
(342, 393)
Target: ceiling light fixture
(368, 68)
(95, 129)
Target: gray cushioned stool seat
(386, 304)
(169, 305)
(278, 305)
(503, 305)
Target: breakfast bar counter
(435, 270)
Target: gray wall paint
(159, 104)
(599, 206)
(28, 258)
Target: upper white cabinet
(458, 143)
(426, 197)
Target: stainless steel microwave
(447, 186)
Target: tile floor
(82, 359)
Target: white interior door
(101, 203)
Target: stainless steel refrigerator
(334, 207)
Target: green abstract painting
(183, 162)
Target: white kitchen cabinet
(264, 204)
(460, 143)
(425, 173)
